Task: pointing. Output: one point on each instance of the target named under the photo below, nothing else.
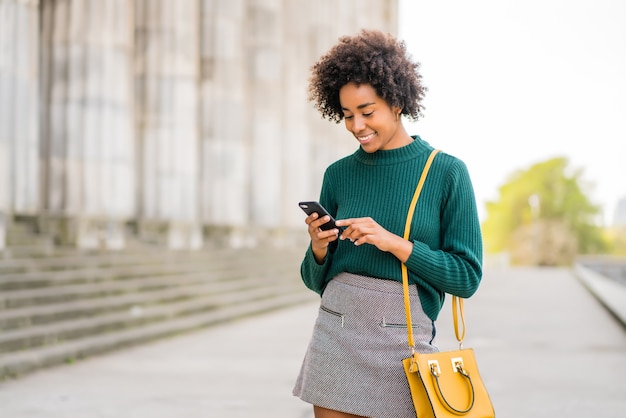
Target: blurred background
(153, 152)
(532, 97)
(185, 123)
(167, 122)
(152, 157)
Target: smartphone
(312, 207)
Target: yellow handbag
(443, 384)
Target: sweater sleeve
(314, 274)
(455, 267)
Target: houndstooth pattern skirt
(354, 360)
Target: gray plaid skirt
(354, 360)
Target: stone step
(71, 305)
(121, 271)
(31, 280)
(53, 333)
(194, 284)
(71, 260)
(63, 294)
(18, 363)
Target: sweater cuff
(418, 259)
(314, 274)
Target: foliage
(616, 236)
(543, 216)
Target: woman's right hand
(320, 239)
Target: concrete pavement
(545, 347)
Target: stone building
(619, 219)
(175, 121)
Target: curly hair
(373, 58)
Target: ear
(396, 111)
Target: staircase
(61, 305)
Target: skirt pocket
(333, 313)
(384, 323)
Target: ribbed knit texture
(445, 230)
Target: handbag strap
(457, 303)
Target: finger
(323, 238)
(322, 234)
(346, 222)
(356, 230)
(363, 234)
(315, 223)
(319, 222)
(311, 218)
(330, 236)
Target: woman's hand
(320, 239)
(368, 231)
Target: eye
(348, 117)
(368, 114)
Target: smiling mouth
(366, 138)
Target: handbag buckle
(433, 365)
(457, 366)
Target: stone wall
(184, 119)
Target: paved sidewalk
(239, 369)
(545, 346)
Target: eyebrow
(361, 106)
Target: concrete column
(19, 140)
(265, 74)
(225, 114)
(167, 74)
(3, 231)
(296, 136)
(87, 115)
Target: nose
(358, 124)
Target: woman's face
(375, 124)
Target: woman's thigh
(329, 413)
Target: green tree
(543, 216)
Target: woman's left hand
(368, 231)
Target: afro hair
(370, 57)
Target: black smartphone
(312, 207)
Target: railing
(608, 266)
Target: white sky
(512, 83)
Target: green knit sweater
(445, 231)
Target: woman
(353, 364)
